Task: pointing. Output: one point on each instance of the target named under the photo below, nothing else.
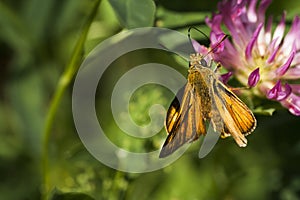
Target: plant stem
(62, 85)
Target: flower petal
(225, 77)
(268, 30)
(283, 94)
(293, 104)
(279, 31)
(295, 109)
(216, 44)
(254, 78)
(296, 88)
(284, 68)
(273, 51)
(272, 93)
(215, 22)
(293, 35)
(277, 92)
(230, 12)
(249, 48)
(198, 47)
(292, 73)
(251, 14)
(264, 4)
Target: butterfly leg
(217, 67)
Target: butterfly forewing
(239, 112)
(184, 121)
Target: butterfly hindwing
(236, 118)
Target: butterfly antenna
(211, 50)
(189, 34)
(192, 27)
(218, 44)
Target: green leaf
(264, 111)
(134, 13)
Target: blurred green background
(42, 44)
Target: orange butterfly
(205, 98)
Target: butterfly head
(197, 59)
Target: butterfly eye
(203, 62)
